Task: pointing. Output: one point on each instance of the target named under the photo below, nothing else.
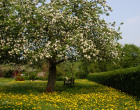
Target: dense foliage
(59, 28)
(9, 69)
(131, 56)
(127, 80)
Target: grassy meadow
(85, 95)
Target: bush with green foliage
(8, 74)
(41, 78)
(127, 80)
(61, 78)
(60, 74)
(19, 77)
(25, 77)
(81, 75)
(7, 70)
(32, 76)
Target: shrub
(8, 74)
(25, 77)
(81, 75)
(19, 77)
(127, 80)
(60, 78)
(32, 77)
(40, 78)
(60, 74)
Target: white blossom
(55, 28)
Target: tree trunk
(51, 77)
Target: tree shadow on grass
(80, 88)
(33, 87)
(89, 87)
(40, 87)
(24, 88)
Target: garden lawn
(86, 95)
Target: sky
(128, 12)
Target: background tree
(131, 56)
(69, 67)
(58, 31)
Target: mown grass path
(86, 95)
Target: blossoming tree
(57, 31)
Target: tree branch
(60, 61)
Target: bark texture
(51, 77)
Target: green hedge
(127, 80)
